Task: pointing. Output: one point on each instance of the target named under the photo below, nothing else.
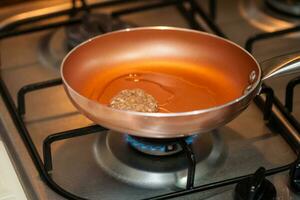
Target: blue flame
(154, 147)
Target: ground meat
(134, 100)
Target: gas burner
(128, 163)
(56, 44)
(92, 25)
(289, 7)
(157, 147)
(265, 15)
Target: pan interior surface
(182, 70)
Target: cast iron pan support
(62, 136)
(285, 110)
(33, 87)
(289, 95)
(191, 163)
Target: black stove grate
(45, 168)
(289, 93)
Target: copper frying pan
(105, 52)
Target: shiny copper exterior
(165, 43)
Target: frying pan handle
(287, 66)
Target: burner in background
(289, 7)
(118, 159)
(262, 16)
(157, 147)
(92, 25)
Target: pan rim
(173, 114)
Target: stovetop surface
(249, 142)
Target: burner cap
(289, 7)
(92, 25)
(157, 147)
(116, 157)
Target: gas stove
(59, 154)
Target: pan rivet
(252, 76)
(248, 88)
